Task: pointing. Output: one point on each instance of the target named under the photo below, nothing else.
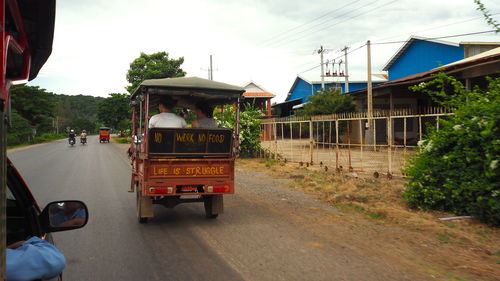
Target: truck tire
(140, 208)
(213, 206)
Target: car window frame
(24, 199)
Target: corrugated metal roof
(258, 95)
(408, 44)
(480, 43)
(495, 51)
(493, 54)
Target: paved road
(258, 238)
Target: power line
(405, 41)
(310, 68)
(314, 26)
(311, 21)
(353, 50)
(438, 27)
(434, 38)
(330, 26)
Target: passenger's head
(167, 103)
(205, 109)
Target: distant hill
(79, 106)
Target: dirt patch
(373, 218)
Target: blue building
(302, 88)
(419, 54)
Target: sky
(269, 42)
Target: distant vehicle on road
(104, 134)
(171, 166)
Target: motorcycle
(83, 141)
(71, 141)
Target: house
(260, 97)
(420, 54)
(395, 95)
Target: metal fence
(351, 141)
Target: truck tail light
(161, 190)
(221, 188)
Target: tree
(457, 167)
(487, 16)
(32, 103)
(79, 124)
(124, 125)
(154, 66)
(327, 101)
(20, 131)
(114, 109)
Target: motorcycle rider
(72, 136)
(83, 136)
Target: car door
(22, 211)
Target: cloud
(269, 42)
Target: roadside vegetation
(362, 200)
(124, 139)
(327, 101)
(457, 168)
(40, 116)
(249, 124)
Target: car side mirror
(64, 215)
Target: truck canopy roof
(190, 88)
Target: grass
(450, 225)
(483, 232)
(445, 237)
(44, 138)
(122, 140)
(350, 207)
(18, 145)
(376, 215)
(269, 162)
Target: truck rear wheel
(214, 205)
(144, 206)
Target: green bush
(249, 124)
(457, 167)
(123, 140)
(20, 132)
(46, 137)
(13, 140)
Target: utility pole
(210, 72)
(320, 52)
(346, 71)
(370, 132)
(369, 86)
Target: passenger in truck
(204, 113)
(166, 118)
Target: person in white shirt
(166, 118)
